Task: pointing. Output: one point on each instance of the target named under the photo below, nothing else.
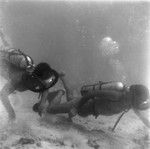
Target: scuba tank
(112, 85)
(17, 58)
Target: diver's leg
(64, 107)
(69, 94)
(4, 93)
(70, 108)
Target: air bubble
(108, 46)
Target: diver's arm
(69, 95)
(42, 102)
(4, 93)
(44, 96)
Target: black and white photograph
(74, 74)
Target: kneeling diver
(104, 98)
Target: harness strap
(119, 118)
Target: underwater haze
(70, 36)
(90, 42)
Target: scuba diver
(21, 74)
(104, 98)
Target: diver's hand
(41, 112)
(42, 109)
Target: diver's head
(41, 78)
(46, 74)
(42, 70)
(140, 97)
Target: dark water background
(67, 35)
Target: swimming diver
(104, 98)
(21, 74)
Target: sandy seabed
(30, 131)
